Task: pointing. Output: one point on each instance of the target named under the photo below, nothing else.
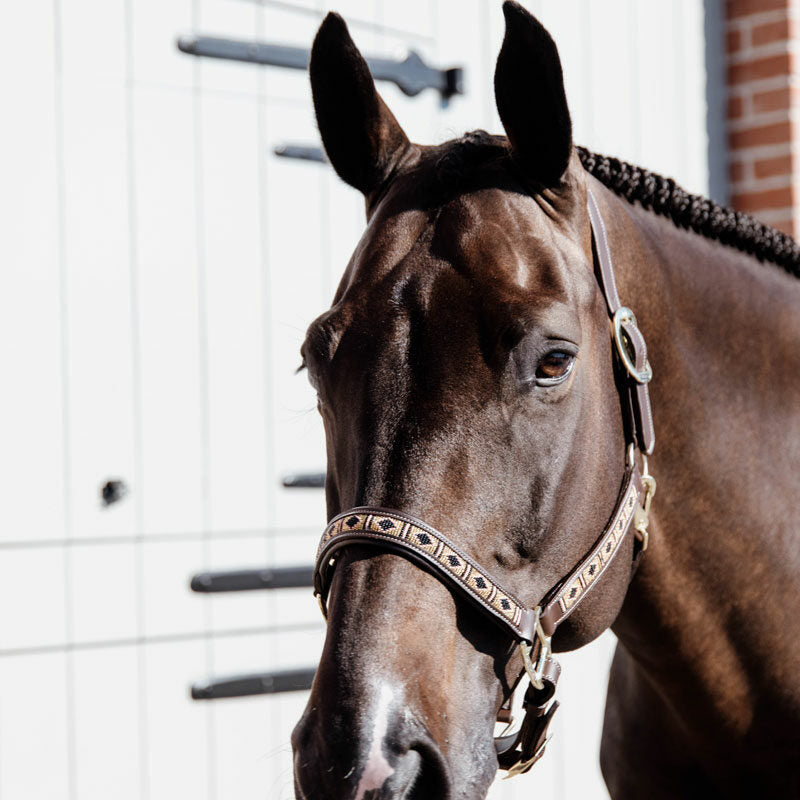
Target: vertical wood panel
(32, 593)
(103, 592)
(466, 45)
(235, 312)
(613, 108)
(300, 290)
(693, 96)
(155, 59)
(98, 295)
(31, 424)
(565, 22)
(106, 732)
(168, 312)
(285, 25)
(178, 728)
(658, 96)
(33, 727)
(235, 20)
(93, 39)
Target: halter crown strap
(630, 343)
(531, 627)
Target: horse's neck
(717, 587)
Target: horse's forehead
(500, 240)
(507, 239)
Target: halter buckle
(536, 671)
(624, 316)
(323, 606)
(641, 519)
(522, 767)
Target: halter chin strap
(534, 627)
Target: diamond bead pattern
(417, 538)
(575, 588)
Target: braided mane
(663, 196)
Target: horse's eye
(554, 367)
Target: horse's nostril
(426, 777)
(407, 772)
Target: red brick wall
(760, 42)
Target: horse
(473, 391)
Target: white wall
(159, 267)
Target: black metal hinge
(292, 680)
(248, 580)
(300, 151)
(305, 480)
(411, 76)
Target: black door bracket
(411, 75)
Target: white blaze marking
(377, 768)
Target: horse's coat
(474, 270)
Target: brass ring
(622, 316)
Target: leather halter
(533, 627)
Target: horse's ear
(362, 138)
(529, 90)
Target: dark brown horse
(466, 376)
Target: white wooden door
(159, 267)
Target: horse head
(465, 376)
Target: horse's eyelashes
(310, 373)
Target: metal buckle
(323, 606)
(535, 671)
(624, 316)
(523, 766)
(641, 519)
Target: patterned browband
(424, 544)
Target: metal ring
(623, 316)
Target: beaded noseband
(532, 628)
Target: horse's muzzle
(330, 764)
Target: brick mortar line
(764, 84)
(791, 120)
(753, 185)
(762, 151)
(753, 20)
(748, 100)
(777, 215)
(760, 119)
(791, 173)
(779, 47)
(748, 172)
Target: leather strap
(530, 741)
(575, 587)
(637, 394)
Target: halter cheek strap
(630, 345)
(531, 628)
